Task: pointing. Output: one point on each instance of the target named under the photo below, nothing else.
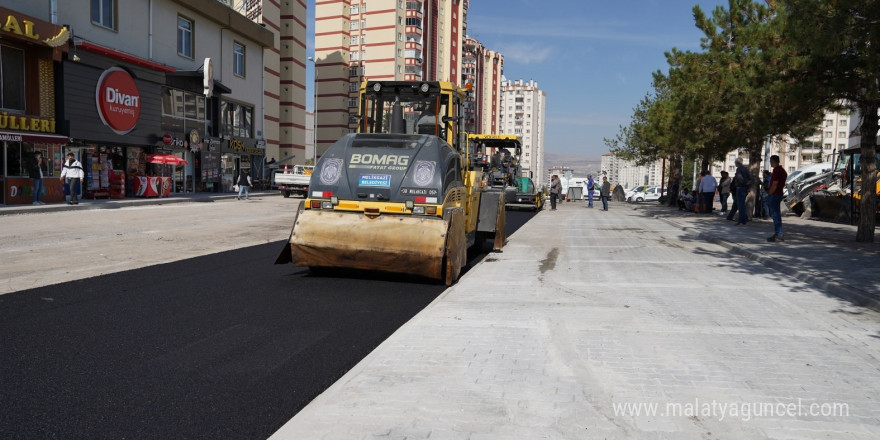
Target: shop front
(30, 51)
(237, 155)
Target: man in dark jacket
(605, 193)
(36, 170)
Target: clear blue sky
(594, 59)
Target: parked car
(630, 192)
(652, 194)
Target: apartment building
(482, 70)
(522, 113)
(628, 174)
(392, 40)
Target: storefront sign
(211, 144)
(167, 139)
(118, 100)
(195, 143)
(27, 28)
(237, 145)
(26, 123)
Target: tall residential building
(482, 69)
(522, 112)
(629, 175)
(392, 40)
(284, 75)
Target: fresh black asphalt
(223, 346)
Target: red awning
(36, 138)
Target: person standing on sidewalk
(37, 169)
(591, 186)
(742, 180)
(244, 185)
(765, 184)
(724, 191)
(73, 175)
(708, 185)
(774, 197)
(555, 190)
(605, 192)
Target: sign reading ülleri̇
(118, 100)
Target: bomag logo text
(375, 159)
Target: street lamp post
(315, 112)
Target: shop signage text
(238, 145)
(26, 123)
(118, 100)
(13, 27)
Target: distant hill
(580, 164)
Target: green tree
(839, 40)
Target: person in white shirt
(72, 173)
(708, 185)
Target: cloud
(526, 53)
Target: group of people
(589, 188)
(768, 200)
(72, 174)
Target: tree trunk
(868, 191)
(674, 177)
(756, 153)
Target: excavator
(400, 195)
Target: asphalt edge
(103, 204)
(835, 287)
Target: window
(352, 71)
(104, 13)
(829, 134)
(353, 25)
(183, 111)
(828, 146)
(353, 10)
(12, 77)
(841, 146)
(238, 59)
(184, 37)
(352, 102)
(354, 56)
(829, 123)
(352, 87)
(353, 40)
(238, 120)
(842, 122)
(842, 134)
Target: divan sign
(118, 100)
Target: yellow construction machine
(401, 194)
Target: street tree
(840, 43)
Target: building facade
(391, 40)
(522, 113)
(482, 70)
(184, 78)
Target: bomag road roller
(400, 195)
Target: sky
(594, 59)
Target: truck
(294, 180)
(400, 195)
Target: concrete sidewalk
(107, 203)
(823, 254)
(590, 324)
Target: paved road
(223, 345)
(590, 320)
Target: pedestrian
(708, 186)
(555, 190)
(742, 181)
(724, 191)
(73, 175)
(244, 185)
(605, 193)
(698, 198)
(591, 186)
(774, 197)
(685, 201)
(36, 170)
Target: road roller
(401, 194)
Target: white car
(652, 194)
(628, 195)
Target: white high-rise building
(522, 113)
